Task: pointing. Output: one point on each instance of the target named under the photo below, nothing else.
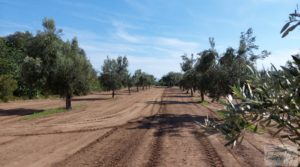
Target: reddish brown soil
(156, 127)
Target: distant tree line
(171, 79)
(43, 64)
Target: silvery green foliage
(268, 99)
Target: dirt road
(156, 127)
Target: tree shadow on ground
(89, 99)
(177, 96)
(171, 102)
(176, 93)
(123, 92)
(170, 124)
(18, 112)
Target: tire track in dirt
(106, 135)
(71, 131)
(57, 132)
(130, 146)
(124, 153)
(117, 133)
(9, 141)
(210, 153)
(212, 157)
(214, 160)
(123, 111)
(126, 140)
(157, 144)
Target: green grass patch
(50, 111)
(204, 103)
(255, 129)
(223, 102)
(44, 113)
(221, 113)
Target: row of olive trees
(171, 79)
(115, 75)
(212, 73)
(44, 64)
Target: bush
(7, 87)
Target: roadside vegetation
(44, 113)
(49, 112)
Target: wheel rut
(157, 144)
(213, 158)
(116, 148)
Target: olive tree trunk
(68, 102)
(202, 96)
(113, 93)
(129, 90)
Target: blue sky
(153, 34)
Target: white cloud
(13, 25)
(156, 55)
(176, 43)
(69, 33)
(121, 25)
(121, 33)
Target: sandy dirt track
(155, 127)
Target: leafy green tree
(21, 42)
(7, 86)
(9, 70)
(205, 63)
(55, 66)
(136, 77)
(216, 73)
(142, 80)
(72, 73)
(114, 74)
(122, 68)
(129, 82)
(189, 77)
(189, 81)
(150, 80)
(171, 79)
(46, 46)
(31, 75)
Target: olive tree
(55, 66)
(72, 73)
(114, 73)
(136, 77)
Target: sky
(154, 34)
